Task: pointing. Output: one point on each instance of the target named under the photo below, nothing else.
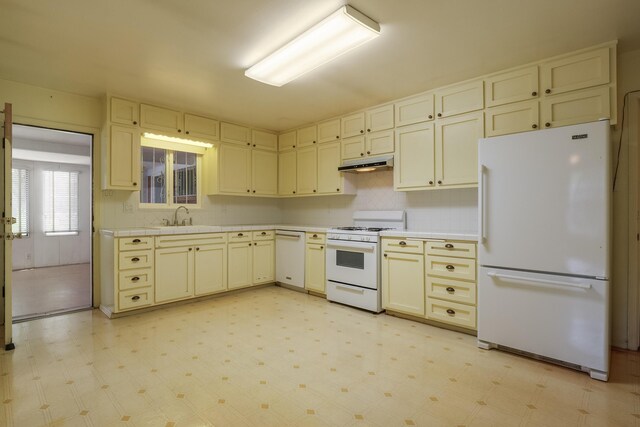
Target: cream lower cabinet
(314, 263)
(251, 258)
(264, 262)
(210, 271)
(174, 272)
(457, 150)
(403, 277)
(240, 265)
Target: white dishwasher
(290, 246)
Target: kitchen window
(60, 203)
(20, 201)
(170, 176)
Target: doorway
(52, 203)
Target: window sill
(61, 233)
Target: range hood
(367, 165)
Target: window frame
(69, 232)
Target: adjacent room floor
(46, 290)
(276, 357)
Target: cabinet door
(460, 99)
(201, 127)
(210, 270)
(380, 118)
(264, 140)
(329, 131)
(162, 119)
(352, 125)
(123, 158)
(314, 268)
(352, 148)
(307, 136)
(330, 181)
(511, 118)
(306, 174)
(414, 110)
(414, 160)
(574, 72)
(457, 150)
(235, 134)
(576, 107)
(264, 262)
(513, 86)
(264, 172)
(287, 141)
(379, 143)
(235, 169)
(240, 265)
(124, 112)
(403, 283)
(174, 274)
(287, 173)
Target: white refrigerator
(544, 245)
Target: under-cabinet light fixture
(343, 30)
(177, 140)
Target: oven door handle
(360, 247)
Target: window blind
(60, 202)
(20, 201)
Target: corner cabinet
(121, 159)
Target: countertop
(429, 235)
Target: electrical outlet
(127, 207)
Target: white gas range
(353, 258)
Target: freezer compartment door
(558, 317)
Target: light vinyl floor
(275, 357)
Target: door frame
(633, 260)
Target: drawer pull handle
(451, 312)
(450, 267)
(264, 233)
(136, 240)
(315, 236)
(448, 246)
(240, 234)
(451, 290)
(135, 259)
(135, 298)
(135, 279)
(403, 243)
(190, 249)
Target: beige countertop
(408, 234)
(196, 229)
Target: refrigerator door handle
(542, 281)
(481, 172)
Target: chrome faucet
(175, 214)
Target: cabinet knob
(135, 259)
(197, 249)
(254, 145)
(361, 154)
(439, 114)
(294, 192)
(451, 312)
(385, 255)
(294, 146)
(534, 93)
(451, 290)
(248, 143)
(368, 130)
(547, 91)
(439, 181)
(248, 191)
(430, 182)
(254, 191)
(403, 243)
(361, 131)
(448, 246)
(321, 247)
(450, 267)
(187, 132)
(249, 244)
(135, 183)
(431, 116)
(135, 298)
(534, 126)
(368, 152)
(136, 240)
(314, 191)
(190, 249)
(314, 142)
(135, 123)
(547, 124)
(337, 189)
(135, 279)
(337, 136)
(179, 130)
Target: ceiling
(192, 54)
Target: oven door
(353, 263)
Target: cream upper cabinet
(124, 112)
(512, 118)
(263, 261)
(330, 180)
(198, 127)
(210, 269)
(162, 119)
(264, 173)
(380, 118)
(352, 148)
(264, 140)
(287, 141)
(457, 150)
(235, 169)
(306, 174)
(512, 86)
(314, 268)
(307, 136)
(414, 110)
(329, 131)
(287, 173)
(174, 273)
(379, 143)
(403, 283)
(240, 265)
(459, 99)
(576, 107)
(235, 134)
(414, 160)
(352, 125)
(574, 72)
(122, 159)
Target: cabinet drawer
(263, 235)
(129, 300)
(452, 268)
(451, 312)
(456, 249)
(239, 236)
(135, 243)
(135, 259)
(131, 279)
(316, 238)
(451, 290)
(403, 245)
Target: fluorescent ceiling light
(177, 140)
(340, 32)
